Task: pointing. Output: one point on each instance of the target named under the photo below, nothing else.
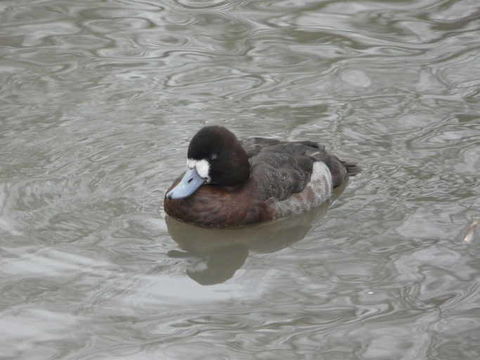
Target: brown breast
(215, 206)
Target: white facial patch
(202, 167)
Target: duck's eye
(213, 157)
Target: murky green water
(98, 100)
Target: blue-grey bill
(190, 183)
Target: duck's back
(293, 177)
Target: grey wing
(283, 169)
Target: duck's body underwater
(231, 183)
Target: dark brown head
(216, 157)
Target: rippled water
(98, 102)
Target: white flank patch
(202, 167)
(320, 184)
(321, 180)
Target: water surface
(98, 100)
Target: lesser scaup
(231, 183)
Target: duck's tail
(352, 168)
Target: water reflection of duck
(231, 183)
(218, 253)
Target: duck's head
(215, 157)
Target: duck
(230, 182)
